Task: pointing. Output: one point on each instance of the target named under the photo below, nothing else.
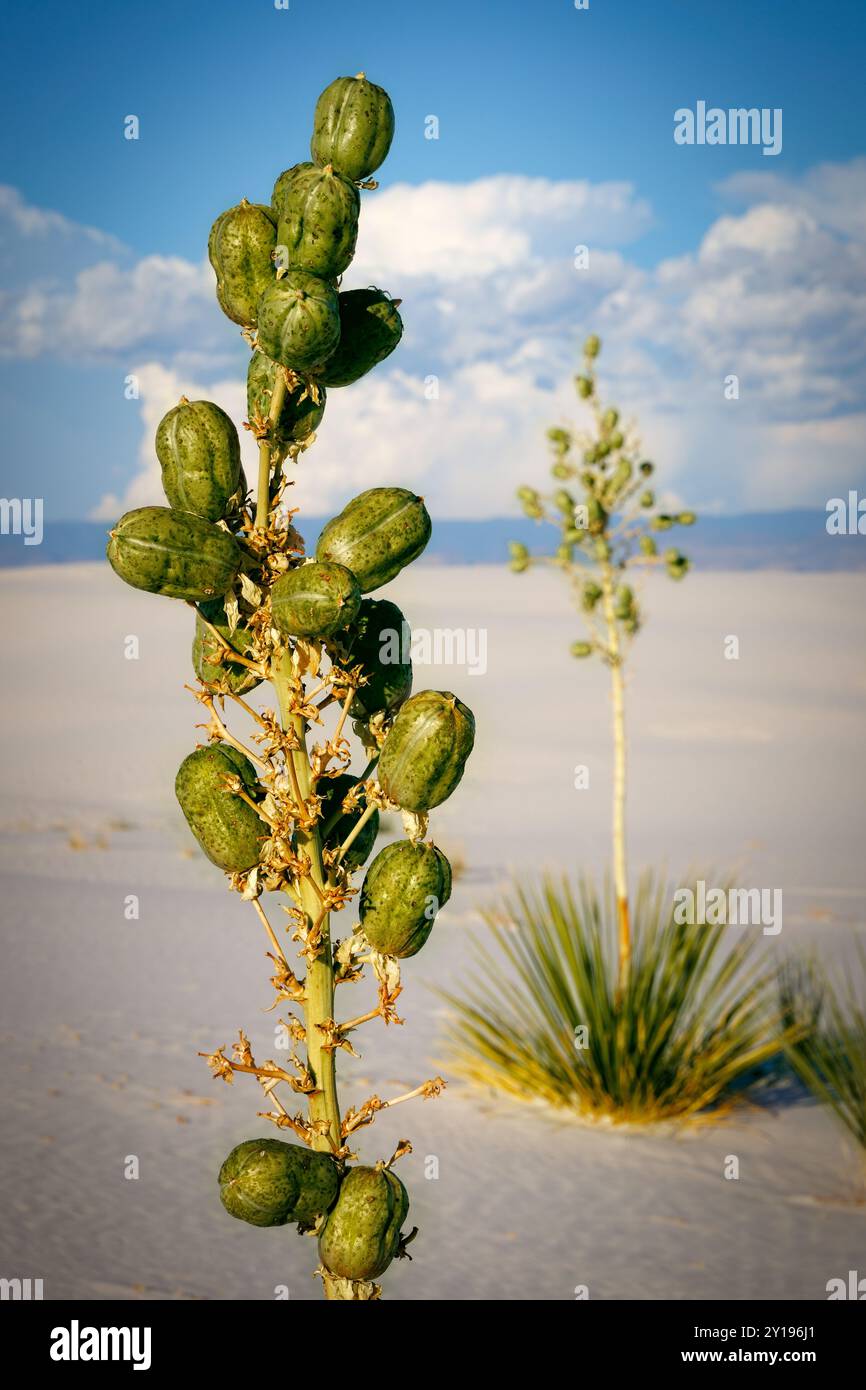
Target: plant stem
(620, 873)
(319, 987)
(263, 494)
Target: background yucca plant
(545, 1018)
(827, 1017)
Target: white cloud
(494, 308)
(44, 224)
(110, 310)
(449, 233)
(834, 194)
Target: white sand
(756, 763)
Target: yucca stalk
(604, 533)
(548, 1017)
(286, 815)
(827, 1016)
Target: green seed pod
(376, 535)
(679, 568)
(269, 1183)
(370, 329)
(207, 662)
(662, 522)
(173, 553)
(300, 416)
(519, 556)
(584, 386)
(602, 549)
(353, 127)
(592, 346)
(362, 1234)
(581, 649)
(380, 642)
(229, 831)
(619, 480)
(646, 468)
(624, 602)
(561, 439)
(299, 320)
(241, 250)
(572, 534)
(315, 600)
(562, 470)
(564, 501)
(403, 889)
(648, 545)
(609, 420)
(617, 440)
(597, 516)
(527, 494)
(590, 596)
(200, 455)
(564, 554)
(687, 518)
(424, 755)
(317, 219)
(647, 499)
(332, 790)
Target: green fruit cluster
(269, 1183)
(360, 1214)
(278, 267)
(262, 607)
(609, 528)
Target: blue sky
(581, 100)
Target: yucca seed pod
(362, 1233)
(228, 829)
(403, 889)
(173, 553)
(315, 600)
(376, 535)
(424, 754)
(269, 1183)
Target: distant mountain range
(793, 540)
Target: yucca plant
(827, 1016)
(545, 1016)
(287, 816)
(608, 518)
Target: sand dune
(757, 763)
